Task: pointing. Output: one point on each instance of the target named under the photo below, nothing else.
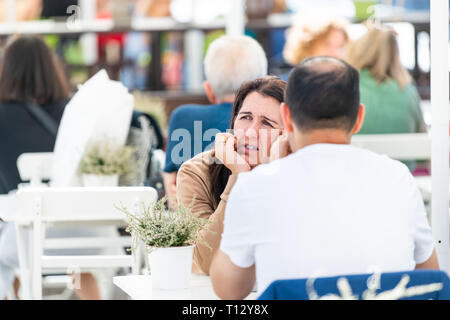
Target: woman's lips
(249, 148)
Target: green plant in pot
(103, 162)
(169, 236)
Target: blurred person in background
(33, 94)
(315, 37)
(30, 77)
(387, 89)
(230, 61)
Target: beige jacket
(193, 179)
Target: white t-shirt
(326, 210)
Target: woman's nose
(253, 130)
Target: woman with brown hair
(33, 94)
(206, 180)
(31, 79)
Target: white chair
(69, 207)
(407, 146)
(35, 167)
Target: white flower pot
(93, 180)
(170, 268)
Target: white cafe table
(140, 288)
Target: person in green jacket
(386, 87)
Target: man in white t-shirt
(326, 209)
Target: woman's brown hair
(31, 72)
(268, 86)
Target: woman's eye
(246, 118)
(267, 123)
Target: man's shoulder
(382, 171)
(264, 175)
(211, 117)
(193, 109)
(185, 110)
(381, 159)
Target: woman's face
(333, 45)
(257, 125)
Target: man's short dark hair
(323, 92)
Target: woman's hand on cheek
(280, 148)
(225, 151)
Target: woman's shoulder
(9, 105)
(365, 74)
(366, 80)
(199, 164)
(56, 109)
(193, 178)
(411, 89)
(10, 110)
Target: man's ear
(209, 92)
(286, 117)
(359, 119)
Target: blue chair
(408, 285)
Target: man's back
(326, 210)
(188, 131)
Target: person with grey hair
(230, 61)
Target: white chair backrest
(408, 146)
(82, 203)
(35, 166)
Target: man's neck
(328, 136)
(225, 99)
